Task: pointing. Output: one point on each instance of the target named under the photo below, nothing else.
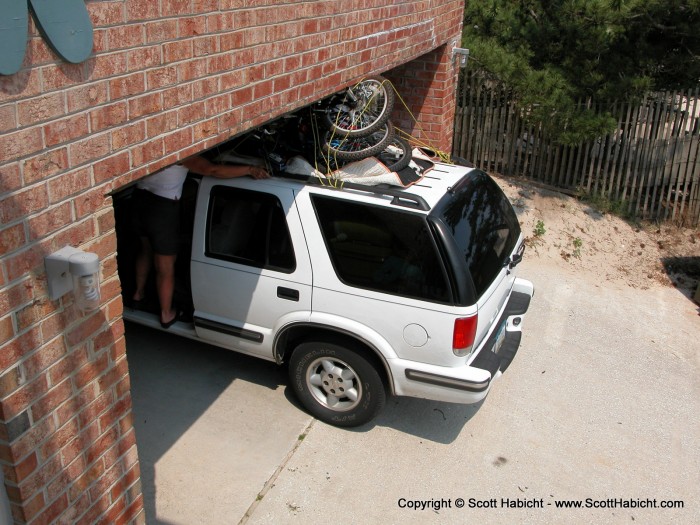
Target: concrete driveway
(601, 406)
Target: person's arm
(202, 166)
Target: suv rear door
(484, 232)
(249, 276)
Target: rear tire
(349, 149)
(335, 384)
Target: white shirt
(165, 183)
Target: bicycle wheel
(357, 148)
(397, 155)
(361, 109)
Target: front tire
(335, 384)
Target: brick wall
(166, 79)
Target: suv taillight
(464, 335)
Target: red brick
(175, 7)
(107, 65)
(123, 36)
(141, 11)
(58, 440)
(21, 345)
(45, 165)
(192, 69)
(10, 381)
(10, 179)
(33, 437)
(177, 96)
(177, 51)
(106, 13)
(161, 123)
(88, 326)
(15, 297)
(40, 109)
(143, 58)
(12, 238)
(24, 468)
(8, 121)
(24, 84)
(128, 135)
(123, 386)
(161, 30)
(191, 113)
(7, 331)
(97, 448)
(25, 261)
(111, 167)
(133, 514)
(117, 508)
(206, 45)
(53, 511)
(192, 26)
(75, 235)
(178, 140)
(68, 184)
(93, 411)
(65, 367)
(21, 143)
(204, 6)
(78, 505)
(50, 221)
(52, 400)
(89, 149)
(42, 359)
(205, 129)
(65, 130)
(51, 325)
(63, 74)
(161, 77)
(22, 398)
(145, 105)
(127, 86)
(97, 509)
(107, 116)
(204, 88)
(147, 152)
(90, 202)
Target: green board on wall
(66, 27)
(64, 24)
(13, 35)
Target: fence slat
(651, 161)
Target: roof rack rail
(400, 197)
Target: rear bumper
(471, 383)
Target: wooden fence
(649, 167)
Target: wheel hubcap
(334, 384)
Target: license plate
(500, 337)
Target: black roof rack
(400, 197)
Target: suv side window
(381, 249)
(249, 227)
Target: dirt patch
(563, 229)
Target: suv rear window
(483, 225)
(381, 249)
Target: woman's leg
(165, 283)
(143, 268)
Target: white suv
(362, 291)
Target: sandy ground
(640, 255)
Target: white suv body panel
(239, 307)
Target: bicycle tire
(397, 155)
(350, 149)
(361, 109)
